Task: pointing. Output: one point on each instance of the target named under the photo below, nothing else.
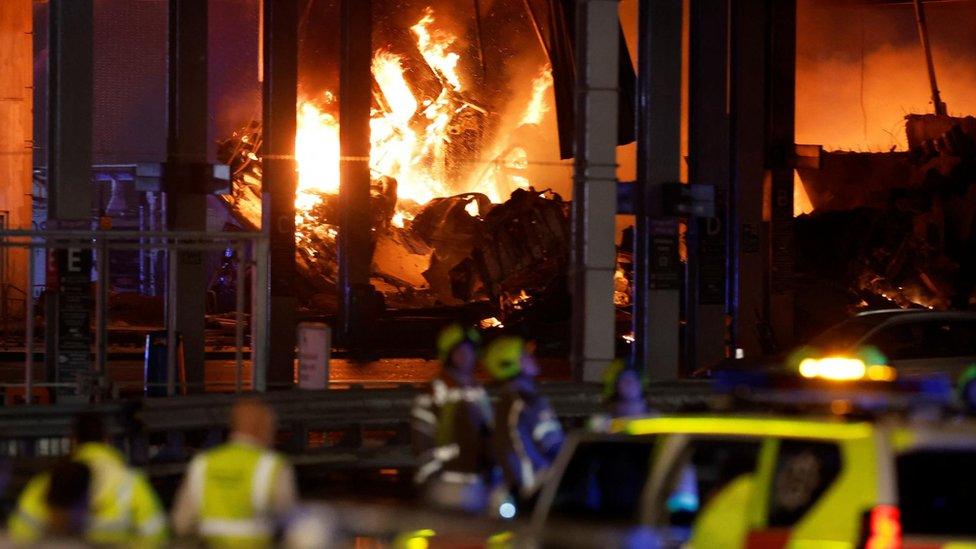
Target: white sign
(314, 351)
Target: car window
(603, 481)
(844, 335)
(804, 471)
(937, 492)
(928, 339)
(706, 468)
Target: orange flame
(538, 105)
(409, 139)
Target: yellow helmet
(503, 357)
(452, 336)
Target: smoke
(860, 70)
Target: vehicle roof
(914, 314)
(782, 425)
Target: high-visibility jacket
(233, 486)
(451, 430)
(527, 436)
(123, 507)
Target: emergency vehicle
(844, 455)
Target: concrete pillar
(594, 187)
(658, 162)
(68, 333)
(748, 84)
(355, 98)
(278, 186)
(780, 123)
(186, 190)
(763, 88)
(708, 163)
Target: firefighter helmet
(452, 336)
(503, 357)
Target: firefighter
(451, 427)
(122, 509)
(527, 434)
(239, 493)
(623, 395)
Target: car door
(700, 486)
(594, 497)
(918, 347)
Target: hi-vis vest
(123, 507)
(233, 485)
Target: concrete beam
(595, 187)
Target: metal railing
(300, 413)
(251, 252)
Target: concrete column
(658, 162)
(708, 163)
(780, 123)
(69, 183)
(355, 98)
(278, 185)
(750, 242)
(186, 191)
(595, 187)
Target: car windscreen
(604, 481)
(937, 492)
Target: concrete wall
(16, 129)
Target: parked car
(912, 341)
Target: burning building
(888, 217)
(466, 200)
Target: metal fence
(251, 253)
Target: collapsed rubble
(907, 239)
(454, 250)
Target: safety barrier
(311, 423)
(249, 253)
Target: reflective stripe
(526, 469)
(546, 427)
(263, 480)
(235, 528)
(37, 523)
(460, 478)
(446, 452)
(120, 522)
(110, 526)
(442, 394)
(438, 457)
(427, 469)
(195, 479)
(153, 526)
(424, 415)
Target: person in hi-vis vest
(239, 493)
(121, 508)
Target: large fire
(409, 136)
